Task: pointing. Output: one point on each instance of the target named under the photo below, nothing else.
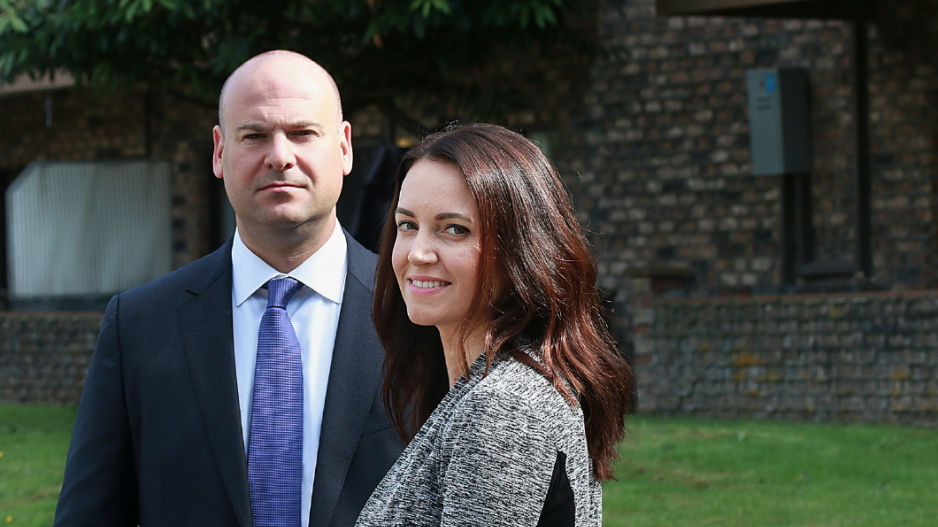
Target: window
(80, 232)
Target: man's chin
(283, 221)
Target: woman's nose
(422, 252)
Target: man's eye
(253, 137)
(457, 230)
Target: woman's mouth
(428, 284)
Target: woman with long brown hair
(497, 353)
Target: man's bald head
(283, 153)
(254, 64)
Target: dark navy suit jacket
(157, 440)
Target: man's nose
(280, 156)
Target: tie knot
(280, 291)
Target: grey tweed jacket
(488, 455)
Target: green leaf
(446, 51)
(544, 16)
(420, 28)
(443, 6)
(6, 64)
(373, 29)
(11, 19)
(18, 25)
(550, 17)
(539, 16)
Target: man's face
(284, 152)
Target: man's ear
(345, 140)
(217, 153)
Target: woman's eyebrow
(440, 216)
(452, 215)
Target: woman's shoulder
(513, 391)
(513, 414)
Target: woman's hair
(537, 281)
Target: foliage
(380, 51)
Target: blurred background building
(758, 178)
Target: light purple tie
(275, 445)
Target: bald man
(164, 430)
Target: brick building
(796, 296)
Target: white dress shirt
(314, 311)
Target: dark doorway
(7, 175)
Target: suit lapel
(354, 378)
(207, 337)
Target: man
(182, 401)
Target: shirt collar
(323, 272)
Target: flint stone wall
(866, 357)
(44, 357)
(855, 358)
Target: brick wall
(866, 358)
(904, 138)
(660, 163)
(84, 125)
(71, 125)
(181, 132)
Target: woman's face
(436, 252)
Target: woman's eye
(406, 225)
(457, 230)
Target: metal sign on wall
(779, 121)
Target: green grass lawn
(673, 473)
(677, 472)
(34, 443)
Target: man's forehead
(288, 88)
(266, 107)
(264, 90)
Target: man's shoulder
(361, 263)
(193, 277)
(200, 274)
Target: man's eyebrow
(253, 127)
(306, 124)
(261, 127)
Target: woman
(485, 301)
